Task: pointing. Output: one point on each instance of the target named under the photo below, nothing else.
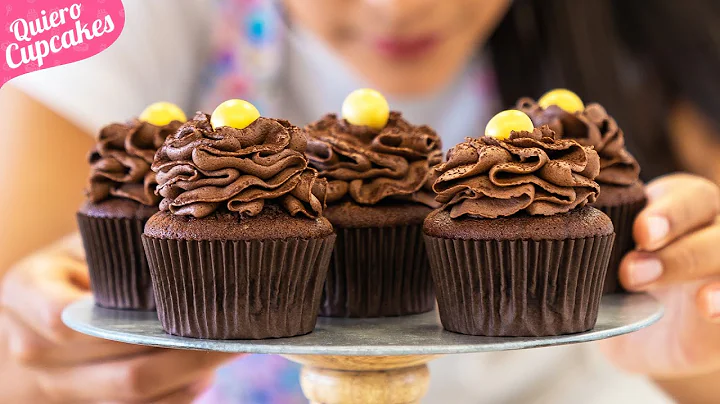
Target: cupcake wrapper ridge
(623, 217)
(378, 272)
(119, 273)
(238, 289)
(519, 287)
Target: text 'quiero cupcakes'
(377, 166)
(121, 197)
(622, 194)
(515, 250)
(240, 249)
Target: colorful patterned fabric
(256, 379)
(245, 54)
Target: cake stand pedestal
(358, 361)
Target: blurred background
(654, 65)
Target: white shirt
(159, 56)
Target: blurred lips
(406, 48)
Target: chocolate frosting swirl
(531, 172)
(590, 127)
(201, 170)
(369, 165)
(120, 161)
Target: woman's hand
(678, 262)
(71, 367)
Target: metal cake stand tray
(357, 361)
(409, 335)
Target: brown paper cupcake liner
(623, 217)
(378, 272)
(119, 274)
(238, 289)
(519, 287)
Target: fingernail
(645, 271)
(658, 228)
(714, 304)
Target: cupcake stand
(356, 361)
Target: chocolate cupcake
(240, 249)
(515, 250)
(120, 199)
(378, 196)
(622, 194)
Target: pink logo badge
(38, 34)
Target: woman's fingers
(708, 301)
(34, 295)
(677, 205)
(184, 395)
(71, 367)
(39, 289)
(28, 348)
(695, 256)
(138, 379)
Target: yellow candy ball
(565, 99)
(505, 122)
(238, 114)
(366, 107)
(162, 113)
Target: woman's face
(402, 47)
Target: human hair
(636, 58)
